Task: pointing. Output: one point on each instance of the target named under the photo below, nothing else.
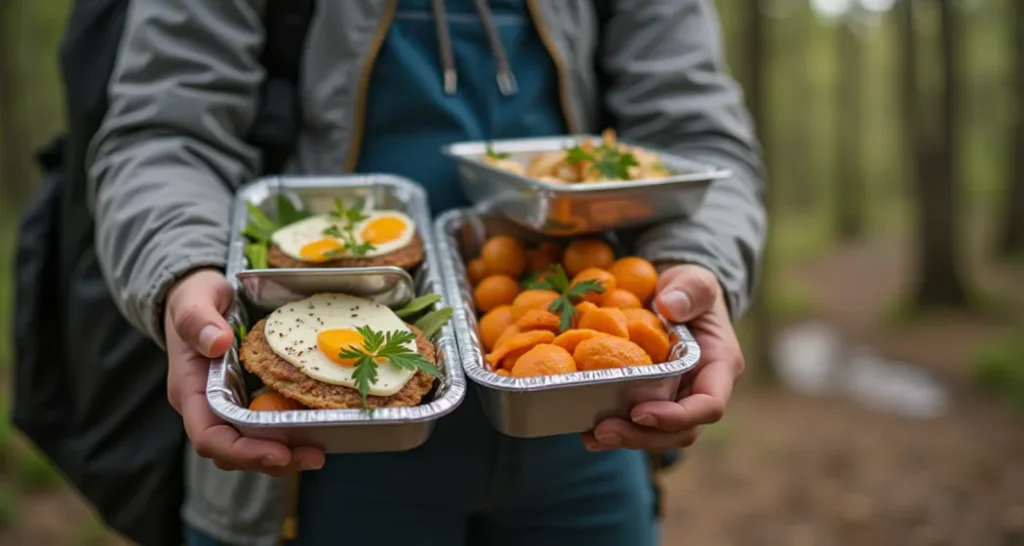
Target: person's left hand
(687, 294)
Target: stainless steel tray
(545, 406)
(316, 195)
(569, 209)
(272, 288)
(336, 431)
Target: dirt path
(791, 470)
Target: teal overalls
(468, 484)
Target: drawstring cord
(444, 41)
(506, 79)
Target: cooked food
(340, 351)
(579, 309)
(345, 237)
(610, 161)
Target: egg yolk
(333, 342)
(318, 250)
(383, 230)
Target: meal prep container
(545, 406)
(571, 209)
(336, 431)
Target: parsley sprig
(491, 154)
(349, 217)
(568, 294)
(384, 347)
(609, 162)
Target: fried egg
(311, 239)
(310, 334)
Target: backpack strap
(278, 120)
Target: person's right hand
(196, 332)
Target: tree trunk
(801, 146)
(760, 312)
(1011, 241)
(940, 283)
(850, 190)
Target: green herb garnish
(386, 347)
(568, 294)
(350, 217)
(609, 162)
(497, 156)
(256, 253)
(240, 332)
(287, 213)
(417, 306)
(431, 323)
(261, 228)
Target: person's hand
(196, 332)
(687, 294)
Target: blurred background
(885, 386)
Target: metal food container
(545, 406)
(336, 431)
(572, 209)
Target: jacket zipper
(359, 115)
(560, 66)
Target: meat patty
(257, 357)
(407, 257)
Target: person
(384, 85)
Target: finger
(687, 291)
(618, 433)
(196, 310)
(688, 413)
(309, 458)
(715, 380)
(276, 472)
(214, 439)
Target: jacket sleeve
(667, 86)
(171, 148)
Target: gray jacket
(170, 153)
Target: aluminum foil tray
(545, 406)
(571, 209)
(336, 431)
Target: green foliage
(999, 367)
(982, 304)
(35, 471)
(92, 532)
(6, 431)
(9, 504)
(789, 302)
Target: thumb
(686, 292)
(195, 309)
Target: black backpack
(89, 390)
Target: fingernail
(309, 465)
(271, 460)
(646, 420)
(208, 336)
(609, 439)
(677, 303)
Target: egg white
(384, 248)
(291, 238)
(291, 331)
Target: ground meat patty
(257, 357)
(407, 257)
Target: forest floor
(791, 469)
